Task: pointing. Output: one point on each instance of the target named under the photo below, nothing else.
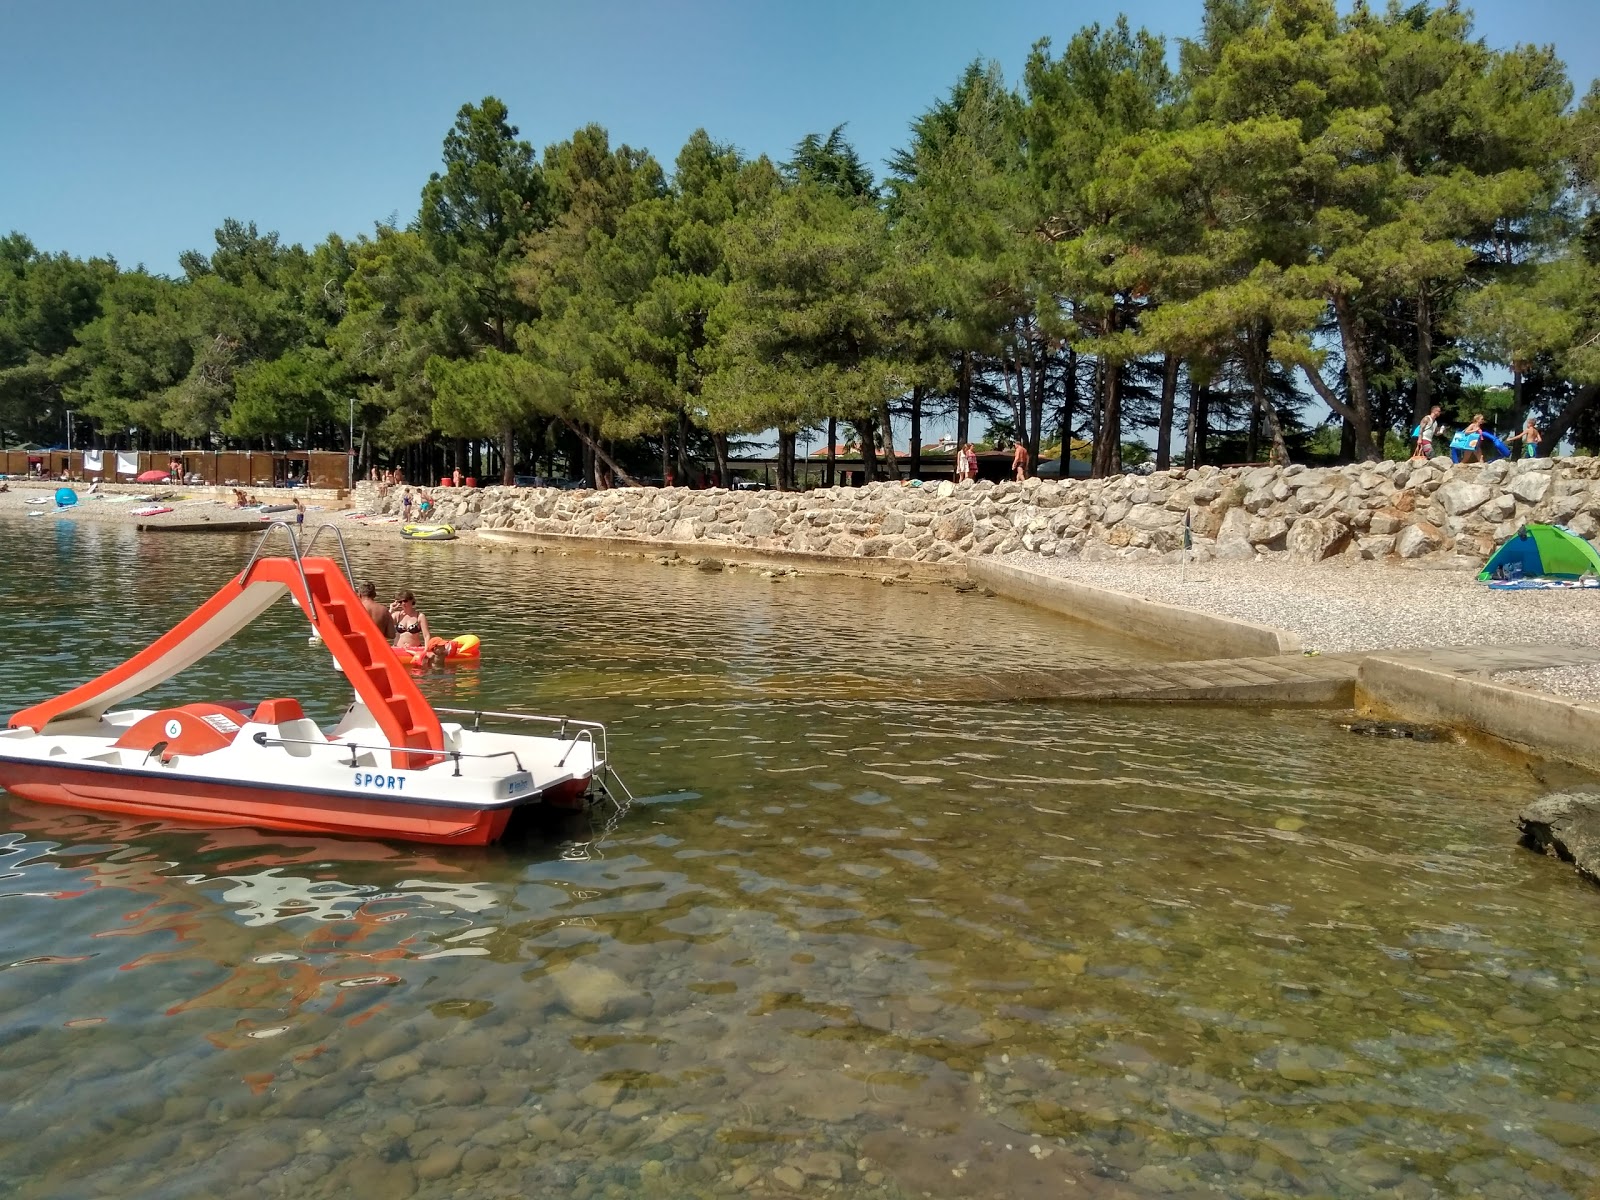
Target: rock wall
(1366, 511)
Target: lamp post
(351, 454)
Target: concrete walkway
(1275, 679)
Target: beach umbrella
(152, 476)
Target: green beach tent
(1542, 552)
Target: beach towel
(94, 461)
(127, 463)
(1539, 585)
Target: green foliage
(1375, 204)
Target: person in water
(378, 612)
(410, 624)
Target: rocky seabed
(1433, 510)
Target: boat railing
(338, 536)
(294, 549)
(261, 739)
(300, 555)
(586, 730)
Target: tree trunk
(786, 439)
(1069, 409)
(683, 446)
(719, 447)
(1562, 425)
(1169, 402)
(1035, 413)
(833, 438)
(1019, 400)
(593, 451)
(916, 431)
(869, 452)
(508, 452)
(964, 399)
(1353, 337)
(891, 468)
(1108, 435)
(1260, 401)
(1424, 397)
(1191, 432)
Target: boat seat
(276, 712)
(188, 730)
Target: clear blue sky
(133, 129)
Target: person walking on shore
(1529, 437)
(1425, 431)
(1019, 460)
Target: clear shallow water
(849, 943)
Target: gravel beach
(116, 504)
(1340, 606)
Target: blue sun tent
(1542, 552)
(66, 497)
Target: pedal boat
(389, 768)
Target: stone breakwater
(1386, 510)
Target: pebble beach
(118, 504)
(1343, 605)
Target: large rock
(1234, 527)
(1530, 486)
(1416, 540)
(1149, 517)
(759, 523)
(597, 994)
(953, 526)
(1268, 531)
(1461, 497)
(1565, 826)
(1387, 520)
(1313, 539)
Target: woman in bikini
(410, 624)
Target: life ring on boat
(466, 646)
(428, 533)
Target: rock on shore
(1565, 825)
(1386, 510)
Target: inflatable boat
(389, 767)
(428, 533)
(465, 648)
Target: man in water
(378, 612)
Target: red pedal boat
(390, 768)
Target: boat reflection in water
(276, 934)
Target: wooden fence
(246, 468)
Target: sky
(132, 130)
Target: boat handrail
(261, 739)
(583, 735)
(338, 535)
(294, 548)
(477, 715)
